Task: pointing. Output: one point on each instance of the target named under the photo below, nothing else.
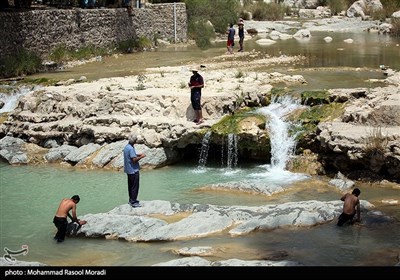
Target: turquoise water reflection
(30, 195)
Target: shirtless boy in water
(60, 219)
(351, 206)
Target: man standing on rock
(351, 206)
(241, 34)
(131, 168)
(196, 83)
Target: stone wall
(41, 31)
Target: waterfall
(205, 143)
(231, 157)
(232, 151)
(282, 144)
(10, 99)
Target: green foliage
(239, 74)
(144, 43)
(230, 123)
(219, 12)
(389, 7)
(141, 43)
(201, 32)
(337, 6)
(395, 27)
(311, 117)
(21, 63)
(39, 81)
(268, 11)
(349, 2)
(278, 91)
(87, 52)
(127, 46)
(140, 79)
(315, 97)
(61, 53)
(377, 14)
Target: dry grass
(376, 142)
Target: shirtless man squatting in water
(60, 219)
(351, 206)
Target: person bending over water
(351, 206)
(60, 219)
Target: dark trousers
(133, 186)
(343, 218)
(195, 99)
(61, 224)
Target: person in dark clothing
(241, 34)
(196, 83)
(351, 206)
(230, 43)
(60, 219)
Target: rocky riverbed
(85, 124)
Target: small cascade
(232, 158)
(10, 100)
(205, 144)
(231, 152)
(282, 144)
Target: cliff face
(365, 140)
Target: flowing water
(30, 194)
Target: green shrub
(240, 74)
(87, 52)
(22, 63)
(268, 11)
(389, 7)
(395, 27)
(201, 32)
(127, 46)
(337, 6)
(59, 54)
(219, 12)
(349, 3)
(141, 78)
